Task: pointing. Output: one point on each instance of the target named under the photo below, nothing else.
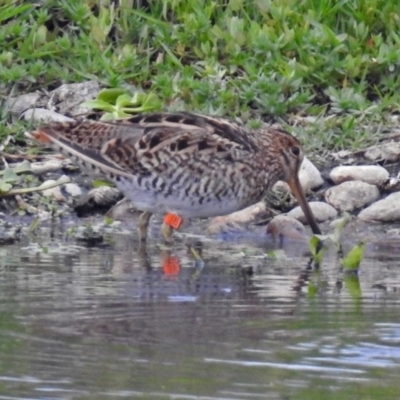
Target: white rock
(44, 115)
(322, 212)
(389, 151)
(351, 195)
(309, 176)
(373, 174)
(73, 189)
(52, 192)
(69, 97)
(385, 210)
(19, 104)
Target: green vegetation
(119, 103)
(337, 61)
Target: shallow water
(104, 322)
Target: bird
(181, 164)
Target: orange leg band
(173, 220)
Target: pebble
(19, 104)
(372, 174)
(309, 176)
(73, 189)
(385, 210)
(351, 195)
(383, 152)
(322, 212)
(69, 97)
(52, 192)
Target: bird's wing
(150, 143)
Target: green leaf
(124, 100)
(111, 95)
(152, 100)
(354, 257)
(99, 105)
(98, 183)
(10, 176)
(109, 116)
(108, 220)
(172, 56)
(25, 166)
(316, 248)
(10, 11)
(4, 187)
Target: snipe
(181, 164)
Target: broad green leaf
(25, 166)
(354, 257)
(99, 105)
(4, 187)
(111, 95)
(124, 100)
(10, 176)
(152, 100)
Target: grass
(337, 61)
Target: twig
(14, 192)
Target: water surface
(105, 322)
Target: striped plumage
(182, 163)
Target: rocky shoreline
(358, 183)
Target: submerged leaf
(352, 284)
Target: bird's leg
(143, 225)
(171, 222)
(166, 231)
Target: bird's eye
(295, 150)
